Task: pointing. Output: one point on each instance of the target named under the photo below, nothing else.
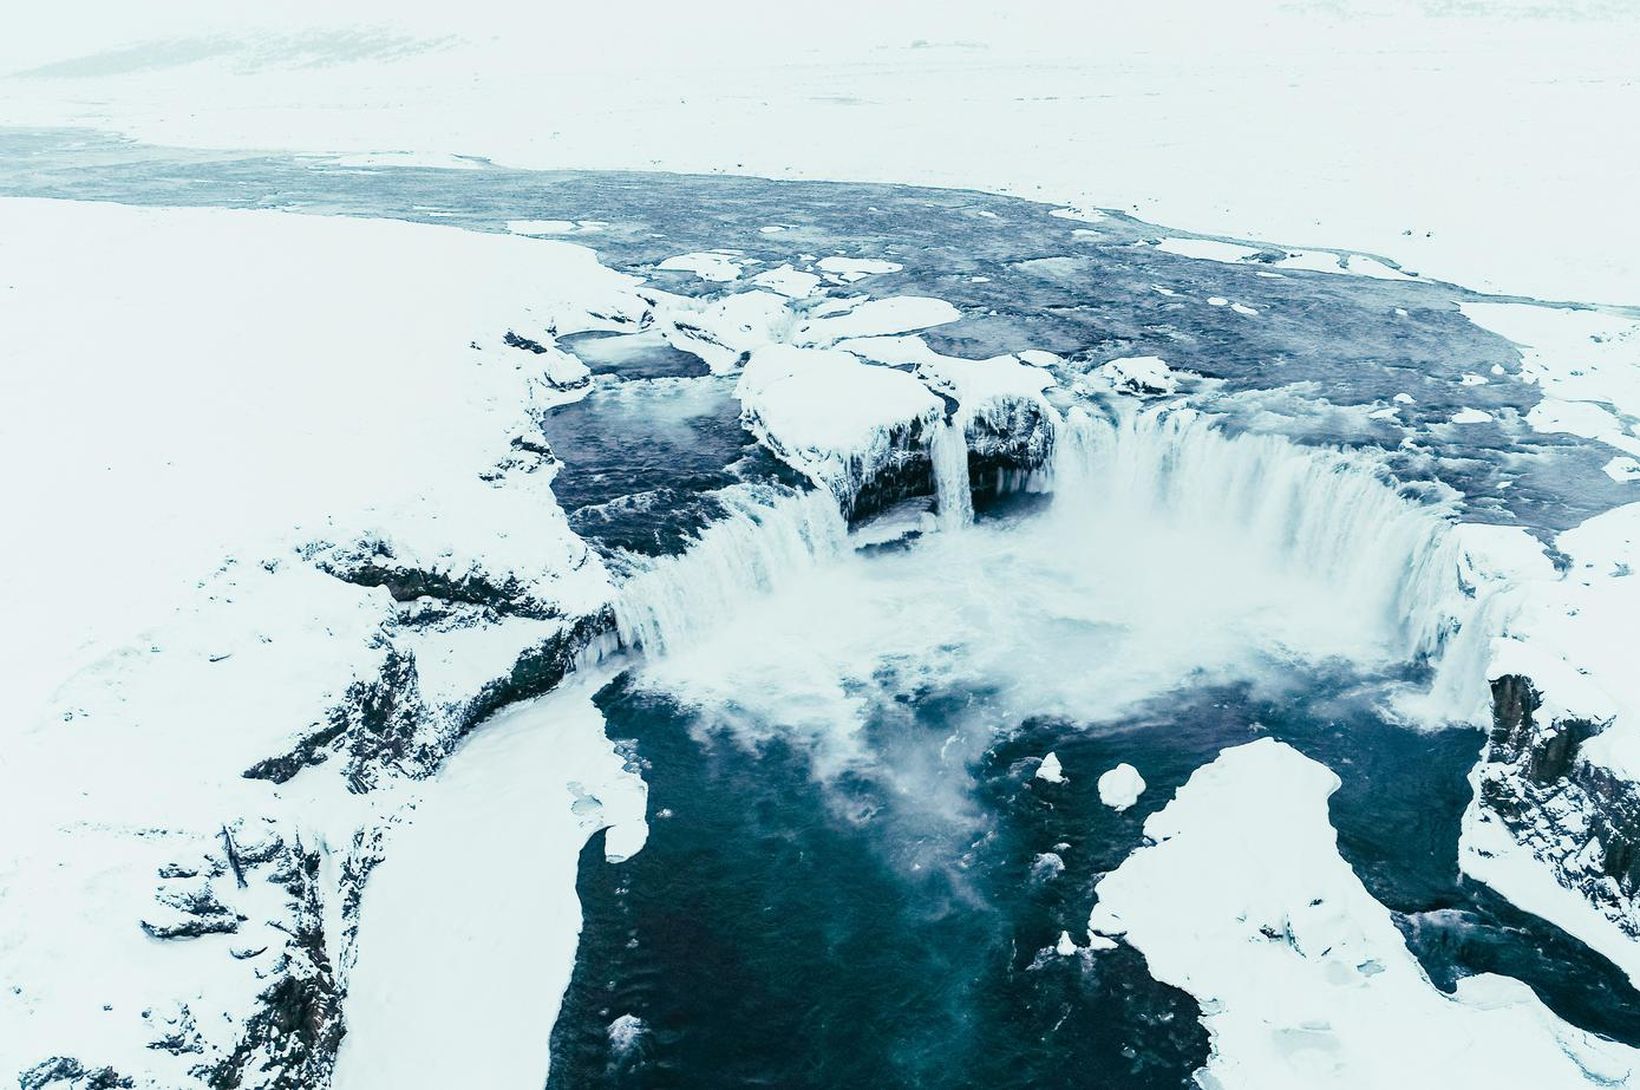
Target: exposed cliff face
(1007, 444)
(1575, 817)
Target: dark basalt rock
(67, 1073)
(513, 340)
(197, 912)
(182, 1039)
(375, 722)
(372, 564)
(907, 471)
(1577, 817)
(537, 671)
(1005, 448)
(290, 1042)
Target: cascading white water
(1253, 506)
(948, 451)
(769, 538)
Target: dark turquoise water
(780, 930)
(1321, 342)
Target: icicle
(948, 449)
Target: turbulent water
(854, 877)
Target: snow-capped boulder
(723, 332)
(856, 429)
(1141, 375)
(1008, 424)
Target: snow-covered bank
(468, 935)
(311, 542)
(1303, 979)
(1316, 119)
(1556, 806)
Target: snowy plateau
(612, 601)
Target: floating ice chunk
(1403, 399)
(1217, 301)
(788, 281)
(625, 1033)
(1066, 946)
(1037, 357)
(1472, 379)
(1623, 469)
(1121, 787)
(772, 229)
(716, 266)
(1242, 308)
(1584, 418)
(877, 317)
(1047, 865)
(850, 269)
(1471, 416)
(1389, 412)
(1050, 769)
(542, 227)
(1141, 375)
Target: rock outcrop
(1576, 817)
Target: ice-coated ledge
(842, 422)
(1303, 979)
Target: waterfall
(1257, 503)
(770, 536)
(948, 451)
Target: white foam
(948, 450)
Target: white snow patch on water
(876, 317)
(1121, 787)
(1623, 469)
(1051, 770)
(718, 267)
(1304, 980)
(850, 269)
(1141, 375)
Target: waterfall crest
(1329, 515)
(770, 536)
(948, 451)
